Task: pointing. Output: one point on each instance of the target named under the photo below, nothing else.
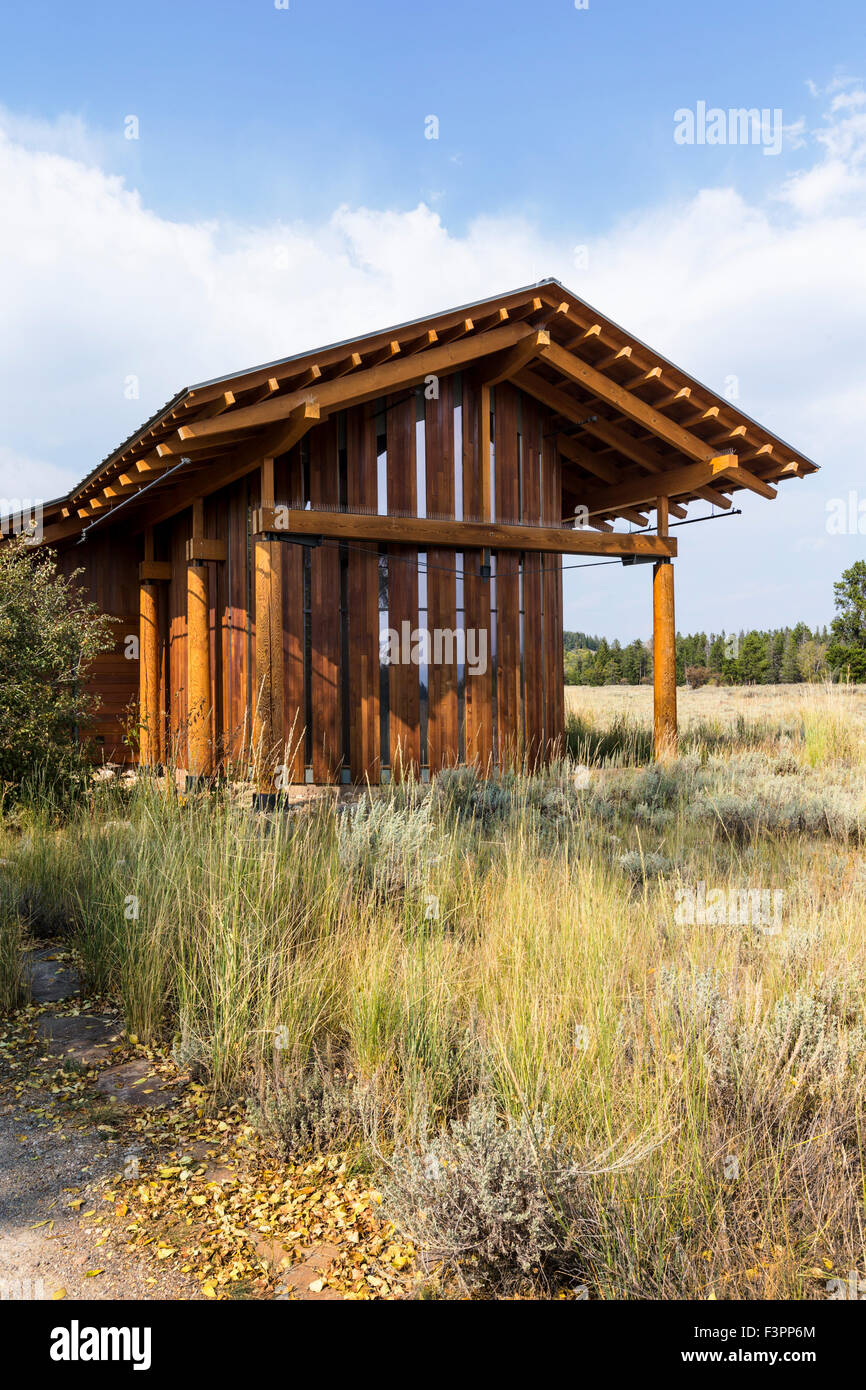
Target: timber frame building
(267, 535)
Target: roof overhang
(631, 426)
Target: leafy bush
(48, 637)
(696, 676)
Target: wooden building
(348, 563)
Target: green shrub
(48, 637)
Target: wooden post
(200, 702)
(268, 726)
(151, 751)
(664, 650)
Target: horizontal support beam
(455, 535)
(151, 570)
(198, 548)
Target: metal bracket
(309, 542)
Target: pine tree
(789, 673)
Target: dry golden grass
(723, 704)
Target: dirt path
(53, 1172)
(119, 1180)
(50, 1179)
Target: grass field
(601, 1028)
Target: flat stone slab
(84, 1038)
(48, 978)
(295, 1283)
(137, 1083)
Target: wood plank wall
(554, 692)
(529, 705)
(442, 731)
(110, 579)
(534, 634)
(509, 694)
(325, 609)
(236, 623)
(404, 685)
(362, 495)
(289, 490)
(478, 688)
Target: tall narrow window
(308, 663)
(458, 563)
(493, 596)
(345, 712)
(493, 453)
(308, 620)
(421, 510)
(384, 671)
(493, 655)
(420, 454)
(381, 461)
(423, 665)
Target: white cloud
(96, 288)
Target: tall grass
(492, 942)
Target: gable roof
(624, 413)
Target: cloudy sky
(189, 189)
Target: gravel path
(39, 1171)
(52, 1176)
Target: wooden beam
(348, 364)
(200, 548)
(627, 403)
(580, 414)
(459, 330)
(620, 355)
(149, 718)
(717, 499)
(586, 459)
(268, 714)
(453, 535)
(170, 451)
(149, 571)
(360, 386)
(199, 699)
(677, 482)
(664, 649)
(285, 436)
(748, 480)
(150, 465)
(506, 365)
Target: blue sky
(281, 193)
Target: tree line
(785, 655)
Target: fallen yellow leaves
(197, 1191)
